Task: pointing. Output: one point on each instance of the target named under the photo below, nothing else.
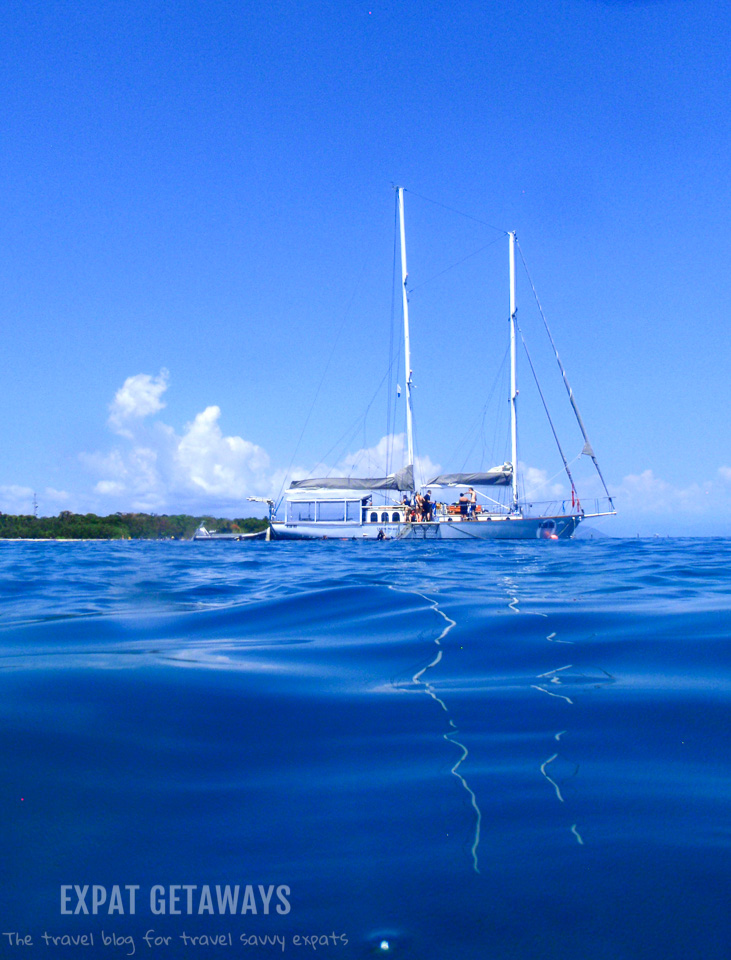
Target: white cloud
(109, 487)
(154, 468)
(130, 474)
(113, 469)
(649, 504)
(217, 465)
(654, 495)
(137, 398)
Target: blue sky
(197, 243)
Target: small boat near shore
(203, 534)
(347, 507)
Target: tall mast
(513, 387)
(407, 347)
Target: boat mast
(513, 387)
(407, 347)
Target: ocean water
(429, 751)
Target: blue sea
(429, 751)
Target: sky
(197, 289)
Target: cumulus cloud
(138, 397)
(648, 503)
(218, 465)
(155, 468)
(655, 495)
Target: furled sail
(497, 476)
(403, 480)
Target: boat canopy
(497, 476)
(403, 480)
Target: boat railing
(444, 509)
(396, 512)
(596, 506)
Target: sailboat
(346, 507)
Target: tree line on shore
(119, 526)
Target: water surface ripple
(460, 750)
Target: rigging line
(452, 266)
(416, 453)
(474, 442)
(389, 399)
(498, 375)
(355, 426)
(478, 436)
(349, 438)
(588, 447)
(468, 216)
(500, 429)
(545, 407)
(319, 386)
(349, 432)
(395, 397)
(551, 479)
(499, 379)
(399, 356)
(483, 413)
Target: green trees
(118, 526)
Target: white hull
(503, 528)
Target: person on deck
(464, 502)
(428, 507)
(473, 504)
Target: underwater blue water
(434, 751)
